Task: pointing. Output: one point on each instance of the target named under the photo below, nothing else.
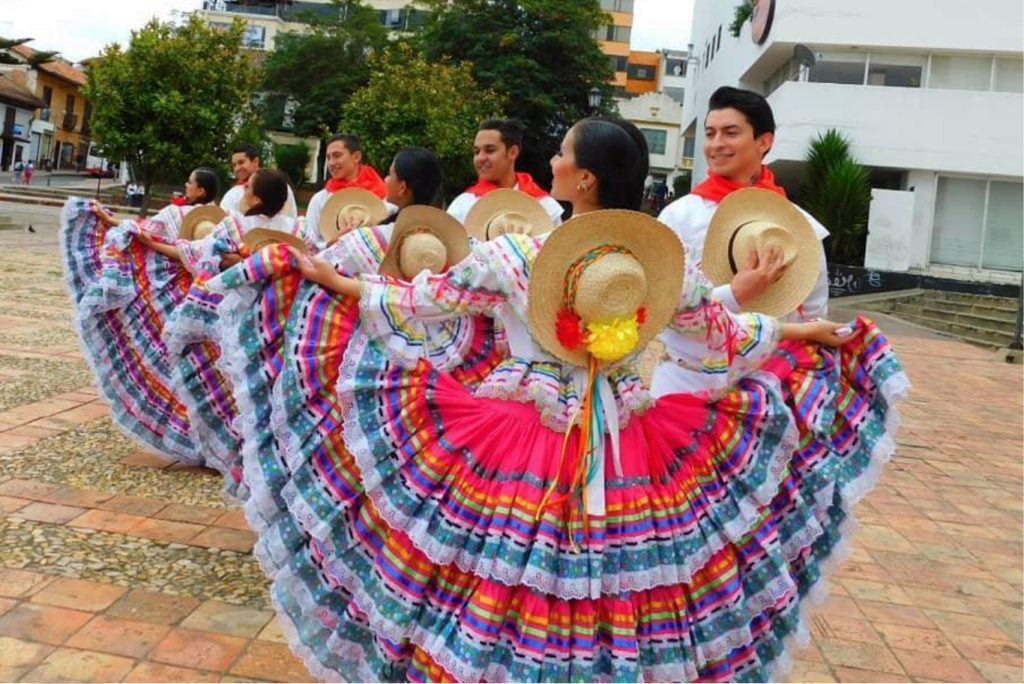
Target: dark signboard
(847, 281)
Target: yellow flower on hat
(613, 339)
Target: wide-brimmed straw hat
(507, 210)
(424, 238)
(367, 208)
(621, 262)
(756, 219)
(258, 238)
(200, 222)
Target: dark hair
(248, 150)
(752, 105)
(419, 169)
(206, 178)
(271, 187)
(351, 142)
(510, 130)
(615, 151)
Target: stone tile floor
(117, 565)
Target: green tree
(741, 14)
(175, 98)
(412, 101)
(837, 192)
(319, 69)
(292, 161)
(541, 55)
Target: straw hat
(424, 238)
(755, 219)
(361, 204)
(503, 211)
(200, 222)
(644, 269)
(258, 238)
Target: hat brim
(375, 207)
(444, 226)
(756, 204)
(258, 238)
(197, 215)
(505, 201)
(655, 246)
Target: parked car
(100, 172)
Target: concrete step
(958, 298)
(984, 337)
(985, 319)
(952, 306)
(7, 223)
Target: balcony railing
(69, 122)
(267, 10)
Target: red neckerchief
(524, 183)
(241, 182)
(367, 179)
(179, 201)
(716, 188)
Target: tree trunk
(147, 182)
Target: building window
(839, 67)
(960, 73)
(689, 144)
(618, 63)
(676, 94)
(978, 224)
(901, 71)
(617, 5)
(656, 140)
(641, 72)
(254, 37)
(47, 95)
(617, 34)
(675, 67)
(1009, 75)
(391, 18)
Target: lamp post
(594, 99)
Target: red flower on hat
(570, 331)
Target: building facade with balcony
(659, 118)
(614, 40)
(929, 92)
(17, 105)
(59, 130)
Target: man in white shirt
(739, 131)
(496, 147)
(245, 160)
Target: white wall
(657, 111)
(905, 128)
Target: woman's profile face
(396, 188)
(249, 198)
(564, 172)
(193, 192)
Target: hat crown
(203, 228)
(760, 237)
(421, 251)
(509, 222)
(611, 287)
(352, 211)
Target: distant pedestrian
(30, 169)
(16, 171)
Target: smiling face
(341, 163)
(493, 160)
(730, 148)
(242, 166)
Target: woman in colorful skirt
(121, 295)
(551, 524)
(190, 331)
(283, 338)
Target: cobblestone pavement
(116, 565)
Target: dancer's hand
(105, 217)
(758, 274)
(229, 260)
(313, 267)
(828, 333)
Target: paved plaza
(118, 565)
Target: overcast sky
(80, 28)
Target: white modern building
(928, 91)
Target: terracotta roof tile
(61, 68)
(13, 90)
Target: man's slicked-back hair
(510, 130)
(351, 142)
(752, 105)
(248, 150)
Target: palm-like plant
(837, 192)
